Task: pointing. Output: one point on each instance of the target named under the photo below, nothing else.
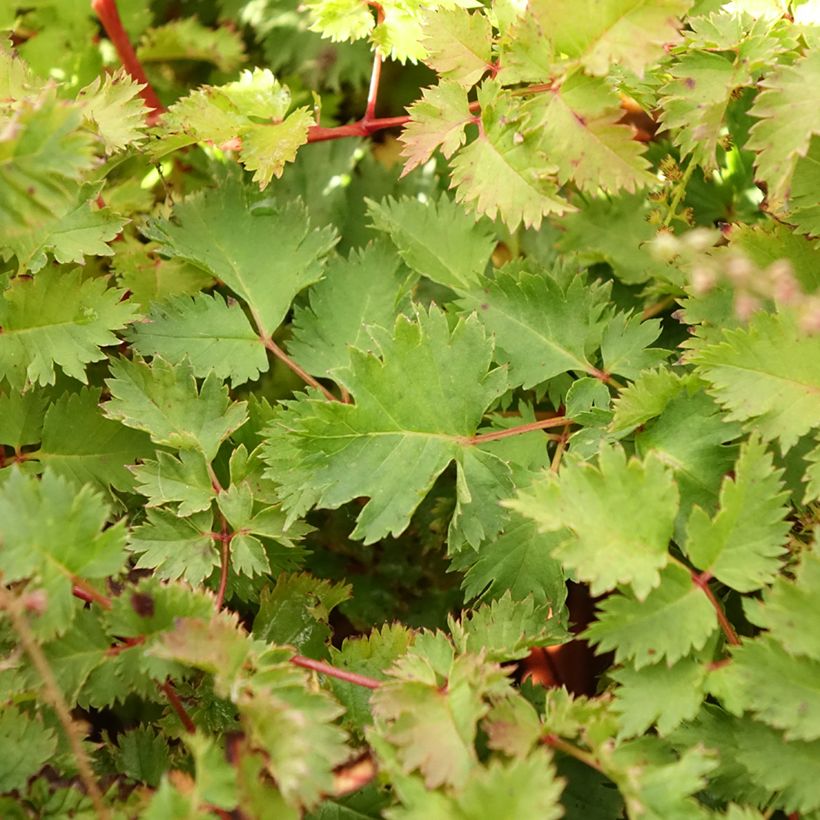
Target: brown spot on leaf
(142, 604)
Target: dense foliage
(302, 444)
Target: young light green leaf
(212, 333)
(742, 545)
(57, 318)
(416, 407)
(581, 135)
(115, 110)
(505, 172)
(620, 515)
(264, 255)
(164, 401)
(437, 120)
(437, 239)
(787, 121)
(459, 45)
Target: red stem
(223, 570)
(557, 421)
(303, 374)
(702, 580)
(177, 705)
(86, 592)
(109, 16)
(375, 76)
(362, 128)
(333, 672)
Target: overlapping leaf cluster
(267, 409)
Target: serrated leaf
(367, 655)
(115, 110)
(52, 532)
(793, 706)
(416, 407)
(437, 120)
(620, 515)
(171, 480)
(766, 375)
(368, 288)
(21, 416)
(266, 150)
(434, 729)
(143, 755)
(542, 328)
(33, 746)
(57, 318)
(675, 618)
(164, 401)
(788, 121)
(188, 39)
(459, 45)
(437, 239)
(176, 547)
(647, 397)
(742, 545)
(615, 230)
(789, 610)
(504, 172)
(805, 209)
(659, 695)
(212, 333)
(519, 560)
(265, 256)
(296, 612)
(581, 135)
(78, 442)
(694, 438)
(506, 629)
(598, 35)
(625, 346)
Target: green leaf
(265, 150)
(78, 442)
(437, 239)
(767, 375)
(694, 438)
(33, 746)
(789, 609)
(21, 416)
(518, 560)
(188, 39)
(793, 706)
(170, 480)
(459, 45)
(787, 121)
(143, 755)
(805, 210)
(51, 533)
(57, 318)
(296, 612)
(505, 172)
(625, 345)
(542, 327)
(675, 618)
(437, 120)
(506, 629)
(175, 547)
(416, 407)
(581, 135)
(164, 401)
(368, 288)
(742, 545)
(264, 255)
(647, 397)
(212, 333)
(659, 695)
(620, 515)
(368, 655)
